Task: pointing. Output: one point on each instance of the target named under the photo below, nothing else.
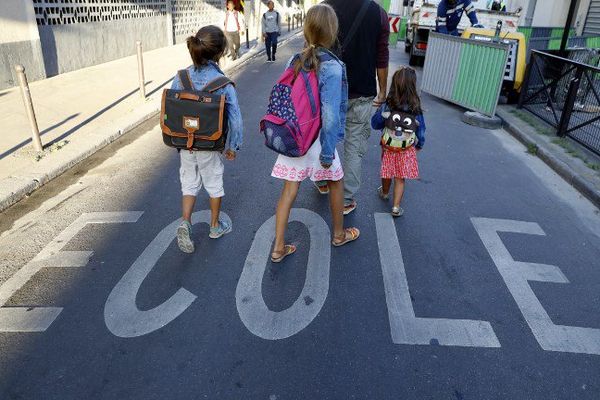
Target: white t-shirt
(231, 24)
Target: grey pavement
(440, 312)
(80, 112)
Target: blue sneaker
(222, 229)
(184, 237)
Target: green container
(465, 72)
(403, 27)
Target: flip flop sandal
(323, 189)
(288, 249)
(354, 234)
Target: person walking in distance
(321, 161)
(205, 168)
(234, 26)
(271, 27)
(364, 35)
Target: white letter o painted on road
(251, 306)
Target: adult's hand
(325, 165)
(379, 100)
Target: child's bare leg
(187, 205)
(215, 209)
(336, 203)
(385, 185)
(282, 215)
(398, 191)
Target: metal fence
(565, 92)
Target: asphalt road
(434, 305)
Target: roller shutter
(592, 21)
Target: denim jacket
(202, 76)
(378, 123)
(333, 92)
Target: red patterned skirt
(400, 164)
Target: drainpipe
(568, 23)
(530, 12)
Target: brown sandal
(288, 249)
(354, 234)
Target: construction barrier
(464, 71)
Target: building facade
(51, 37)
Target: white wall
(19, 42)
(17, 21)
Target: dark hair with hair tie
(207, 45)
(403, 91)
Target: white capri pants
(201, 168)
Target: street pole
(568, 23)
(140, 59)
(26, 94)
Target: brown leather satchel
(193, 119)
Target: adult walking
(271, 27)
(363, 36)
(234, 26)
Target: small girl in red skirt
(402, 124)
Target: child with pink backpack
(305, 121)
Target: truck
(422, 17)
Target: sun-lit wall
(19, 42)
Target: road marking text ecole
(124, 319)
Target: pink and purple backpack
(293, 118)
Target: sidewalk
(575, 164)
(80, 112)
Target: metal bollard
(35, 132)
(140, 58)
(288, 22)
(247, 38)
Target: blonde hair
(320, 30)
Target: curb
(481, 121)
(14, 188)
(565, 171)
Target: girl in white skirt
(321, 162)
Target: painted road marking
(121, 314)
(516, 274)
(38, 319)
(405, 327)
(251, 306)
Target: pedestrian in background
(403, 125)
(321, 162)
(364, 36)
(271, 27)
(234, 26)
(206, 168)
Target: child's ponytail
(207, 45)
(308, 60)
(320, 30)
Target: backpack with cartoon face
(400, 131)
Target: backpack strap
(217, 83)
(357, 21)
(186, 81)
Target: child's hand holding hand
(230, 154)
